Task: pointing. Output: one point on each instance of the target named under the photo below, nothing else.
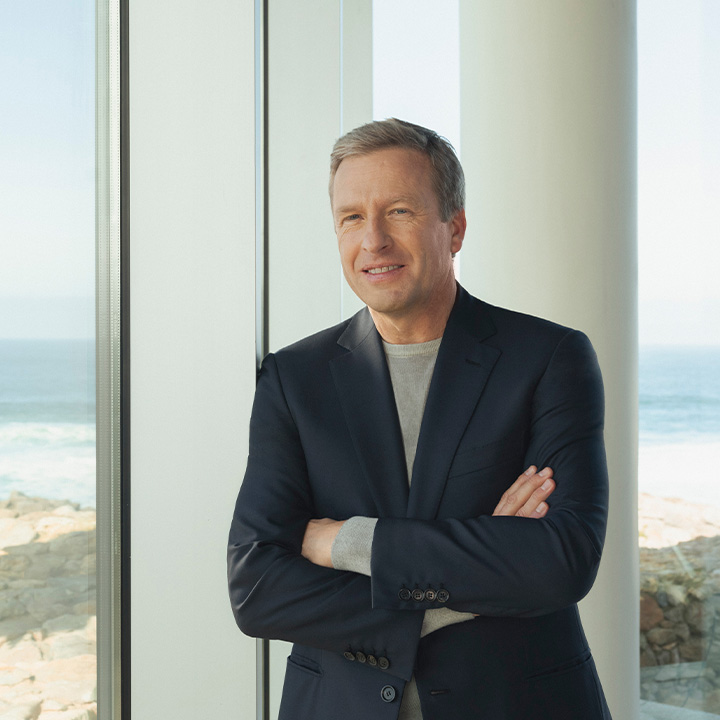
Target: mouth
(382, 270)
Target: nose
(376, 237)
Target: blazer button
(383, 663)
(443, 595)
(348, 655)
(404, 594)
(360, 656)
(372, 660)
(430, 595)
(418, 595)
(388, 693)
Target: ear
(458, 225)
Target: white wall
(192, 211)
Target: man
(378, 526)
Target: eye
(351, 218)
(400, 211)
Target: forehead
(388, 172)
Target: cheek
(348, 254)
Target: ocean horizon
(47, 420)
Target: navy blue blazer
(508, 390)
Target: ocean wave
(15, 435)
(62, 473)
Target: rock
(676, 594)
(22, 712)
(71, 644)
(71, 714)
(10, 675)
(48, 602)
(693, 649)
(53, 705)
(10, 606)
(681, 630)
(674, 614)
(16, 532)
(661, 636)
(650, 612)
(25, 584)
(22, 654)
(694, 617)
(12, 566)
(647, 658)
(66, 623)
(68, 680)
(16, 627)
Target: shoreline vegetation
(48, 623)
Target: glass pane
(679, 183)
(47, 360)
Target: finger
(514, 488)
(539, 511)
(519, 493)
(538, 496)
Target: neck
(421, 326)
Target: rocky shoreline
(47, 610)
(47, 607)
(680, 603)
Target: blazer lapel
(363, 383)
(462, 369)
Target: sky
(47, 142)
(47, 168)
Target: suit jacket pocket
(300, 662)
(561, 668)
(569, 691)
(480, 457)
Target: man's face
(396, 252)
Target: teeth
(387, 268)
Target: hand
(318, 539)
(526, 496)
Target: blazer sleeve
(275, 592)
(502, 566)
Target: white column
(548, 97)
(192, 217)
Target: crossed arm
(526, 497)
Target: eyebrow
(344, 209)
(399, 199)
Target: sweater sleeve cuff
(440, 617)
(352, 548)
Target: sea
(47, 420)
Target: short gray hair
(447, 173)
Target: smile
(386, 268)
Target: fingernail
(546, 485)
(530, 470)
(544, 472)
